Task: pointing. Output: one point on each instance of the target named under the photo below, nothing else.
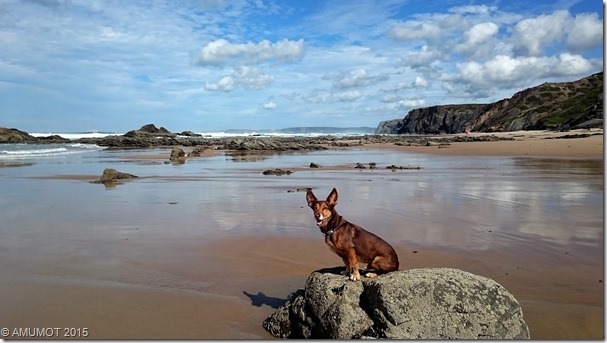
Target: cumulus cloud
(418, 82)
(245, 77)
(586, 32)
(220, 51)
(355, 78)
(425, 57)
(508, 70)
(534, 33)
(413, 31)
(226, 84)
(578, 33)
(269, 105)
(348, 96)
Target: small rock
(112, 176)
(277, 171)
(177, 155)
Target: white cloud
(413, 31)
(425, 57)
(534, 33)
(586, 32)
(243, 76)
(348, 96)
(508, 71)
(355, 78)
(226, 84)
(479, 33)
(269, 106)
(418, 82)
(220, 51)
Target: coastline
(581, 144)
(209, 248)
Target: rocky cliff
(549, 106)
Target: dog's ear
(310, 198)
(332, 198)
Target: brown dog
(351, 242)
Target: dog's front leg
(353, 266)
(348, 270)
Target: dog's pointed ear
(332, 198)
(310, 198)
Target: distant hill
(549, 106)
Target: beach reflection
(178, 227)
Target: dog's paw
(370, 275)
(354, 277)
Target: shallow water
(523, 222)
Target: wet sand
(209, 249)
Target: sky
(211, 65)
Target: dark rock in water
(429, 303)
(177, 155)
(150, 130)
(53, 139)
(314, 165)
(112, 176)
(14, 136)
(197, 151)
(190, 134)
(277, 171)
(395, 167)
(360, 166)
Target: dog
(351, 242)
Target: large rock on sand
(14, 135)
(430, 303)
(111, 176)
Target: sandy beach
(208, 249)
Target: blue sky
(75, 65)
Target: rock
(197, 151)
(549, 106)
(428, 303)
(277, 171)
(14, 135)
(395, 167)
(359, 166)
(372, 165)
(190, 134)
(112, 176)
(314, 165)
(177, 155)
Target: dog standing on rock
(351, 242)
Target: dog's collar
(332, 231)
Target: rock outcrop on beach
(150, 130)
(429, 303)
(549, 106)
(111, 176)
(14, 136)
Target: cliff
(549, 106)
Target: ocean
(12, 151)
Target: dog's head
(322, 209)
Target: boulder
(277, 172)
(14, 135)
(429, 303)
(150, 130)
(111, 177)
(177, 155)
